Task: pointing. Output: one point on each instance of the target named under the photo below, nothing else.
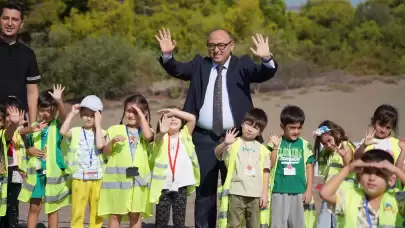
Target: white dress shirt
(206, 112)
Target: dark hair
(183, 122)
(45, 100)
(292, 114)
(12, 101)
(386, 114)
(377, 155)
(15, 6)
(256, 117)
(336, 131)
(140, 101)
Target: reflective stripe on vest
(309, 209)
(120, 194)
(223, 191)
(4, 182)
(388, 213)
(161, 164)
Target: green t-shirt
(291, 153)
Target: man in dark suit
(219, 96)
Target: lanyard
(173, 165)
(368, 214)
(88, 148)
(131, 149)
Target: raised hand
(230, 136)
(97, 119)
(164, 124)
(358, 164)
(342, 149)
(166, 43)
(138, 110)
(57, 92)
(401, 144)
(14, 115)
(262, 46)
(22, 120)
(369, 139)
(75, 109)
(274, 139)
(37, 127)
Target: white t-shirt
(88, 165)
(183, 175)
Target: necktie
(217, 125)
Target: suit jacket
(241, 72)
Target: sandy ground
(352, 110)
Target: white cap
(92, 102)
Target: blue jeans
(326, 219)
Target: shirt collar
(226, 65)
(3, 42)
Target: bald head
(220, 33)
(220, 45)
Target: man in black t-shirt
(19, 74)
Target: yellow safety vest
(389, 215)
(309, 209)
(71, 154)
(57, 187)
(160, 168)
(4, 182)
(223, 191)
(333, 164)
(396, 150)
(20, 149)
(119, 194)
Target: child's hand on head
(230, 136)
(164, 124)
(57, 92)
(14, 115)
(75, 109)
(357, 165)
(168, 111)
(369, 139)
(274, 139)
(97, 118)
(384, 165)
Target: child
(372, 204)
(46, 180)
(336, 153)
(174, 148)
(125, 183)
(11, 117)
(384, 124)
(85, 159)
(15, 157)
(292, 163)
(245, 190)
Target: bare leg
(114, 221)
(33, 213)
(53, 219)
(135, 220)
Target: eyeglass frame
(217, 45)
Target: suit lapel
(207, 65)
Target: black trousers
(13, 190)
(205, 212)
(177, 201)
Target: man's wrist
(267, 58)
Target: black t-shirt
(18, 67)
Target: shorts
(39, 189)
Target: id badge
(250, 171)
(132, 172)
(16, 178)
(289, 170)
(174, 187)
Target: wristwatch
(266, 60)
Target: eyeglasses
(221, 46)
